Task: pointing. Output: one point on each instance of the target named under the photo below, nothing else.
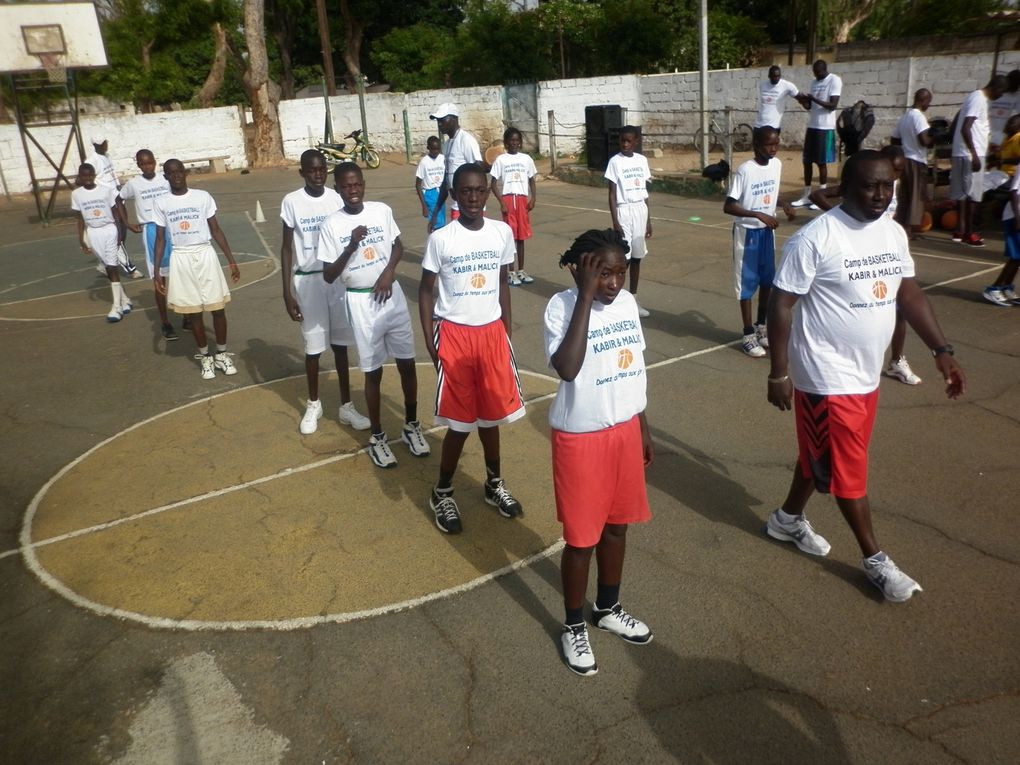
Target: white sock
(118, 294)
(785, 517)
(204, 350)
(822, 186)
(807, 192)
(221, 348)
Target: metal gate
(520, 109)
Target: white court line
(51, 276)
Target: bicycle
(741, 139)
(337, 152)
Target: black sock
(445, 482)
(411, 412)
(762, 311)
(748, 330)
(575, 616)
(608, 596)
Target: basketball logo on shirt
(477, 281)
(625, 358)
(368, 253)
(766, 199)
(879, 290)
(96, 213)
(185, 225)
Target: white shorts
(633, 218)
(324, 312)
(381, 330)
(196, 280)
(102, 240)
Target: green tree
(416, 57)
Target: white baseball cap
(98, 139)
(444, 110)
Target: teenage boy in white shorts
(107, 176)
(188, 218)
(99, 221)
(360, 245)
(628, 177)
(467, 334)
(145, 189)
(320, 307)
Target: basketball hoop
(54, 66)
(46, 43)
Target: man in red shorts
(848, 271)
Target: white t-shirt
(756, 188)
(610, 387)
(185, 217)
(460, 150)
(999, 111)
(95, 205)
(847, 273)
(824, 89)
(911, 125)
(631, 176)
(430, 171)
(1014, 188)
(467, 263)
(105, 175)
(305, 214)
(974, 105)
(772, 102)
(514, 171)
(373, 253)
(145, 191)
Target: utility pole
(327, 48)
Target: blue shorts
(431, 197)
(754, 260)
(1012, 239)
(149, 236)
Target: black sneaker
(445, 508)
(169, 333)
(497, 495)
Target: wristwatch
(942, 349)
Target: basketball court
(187, 579)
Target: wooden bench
(216, 164)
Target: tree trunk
(858, 11)
(327, 48)
(263, 93)
(354, 32)
(206, 95)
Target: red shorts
(833, 433)
(517, 216)
(478, 382)
(599, 478)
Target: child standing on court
(1002, 292)
(467, 334)
(601, 444)
(107, 176)
(515, 172)
(428, 179)
(320, 307)
(628, 177)
(187, 217)
(99, 226)
(752, 198)
(145, 189)
(360, 244)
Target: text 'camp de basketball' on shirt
(611, 386)
(145, 192)
(368, 262)
(431, 171)
(95, 205)
(185, 217)
(514, 171)
(306, 214)
(631, 176)
(468, 267)
(756, 188)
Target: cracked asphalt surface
(761, 654)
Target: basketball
(926, 222)
(477, 281)
(879, 290)
(369, 253)
(625, 359)
(949, 220)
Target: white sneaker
(310, 422)
(804, 201)
(751, 347)
(208, 368)
(577, 649)
(798, 531)
(762, 334)
(380, 452)
(525, 277)
(619, 622)
(348, 415)
(114, 314)
(415, 439)
(126, 307)
(900, 369)
(1009, 293)
(996, 295)
(643, 312)
(515, 280)
(223, 363)
(886, 576)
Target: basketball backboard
(34, 36)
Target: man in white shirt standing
(847, 272)
(772, 95)
(820, 140)
(912, 133)
(461, 149)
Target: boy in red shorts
(467, 334)
(515, 173)
(600, 439)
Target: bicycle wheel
(713, 143)
(743, 137)
(371, 158)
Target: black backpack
(716, 172)
(853, 125)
